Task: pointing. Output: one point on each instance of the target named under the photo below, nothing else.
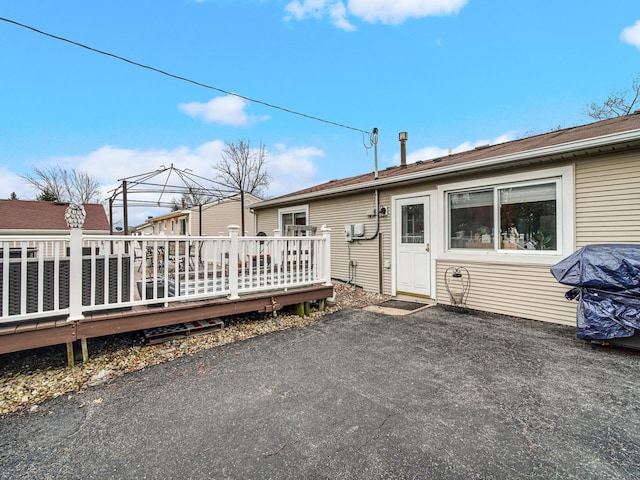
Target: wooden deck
(65, 288)
(27, 335)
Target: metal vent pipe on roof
(403, 136)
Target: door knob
(428, 247)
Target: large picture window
(471, 219)
(528, 217)
(519, 217)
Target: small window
(293, 216)
(298, 218)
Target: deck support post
(70, 354)
(85, 350)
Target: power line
(178, 77)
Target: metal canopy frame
(163, 181)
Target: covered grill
(606, 281)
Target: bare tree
(242, 170)
(64, 185)
(84, 188)
(618, 103)
(193, 196)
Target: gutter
(551, 151)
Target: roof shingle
(557, 137)
(38, 216)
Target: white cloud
(631, 35)
(110, 164)
(227, 110)
(338, 15)
(431, 152)
(11, 182)
(397, 11)
(336, 11)
(292, 168)
(393, 12)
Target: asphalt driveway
(435, 394)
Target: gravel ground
(30, 377)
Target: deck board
(25, 336)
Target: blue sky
(452, 73)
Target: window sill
(516, 257)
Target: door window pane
(528, 219)
(471, 219)
(413, 223)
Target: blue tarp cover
(607, 286)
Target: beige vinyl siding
(608, 200)
(335, 213)
(338, 212)
(267, 220)
(216, 217)
(526, 291)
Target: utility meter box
(358, 230)
(348, 233)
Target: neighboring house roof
(249, 201)
(31, 215)
(167, 216)
(619, 132)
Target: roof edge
(579, 145)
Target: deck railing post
(277, 250)
(74, 217)
(233, 261)
(326, 255)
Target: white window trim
(296, 209)
(565, 219)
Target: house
(504, 213)
(31, 217)
(173, 223)
(209, 219)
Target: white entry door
(413, 256)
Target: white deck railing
(67, 276)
